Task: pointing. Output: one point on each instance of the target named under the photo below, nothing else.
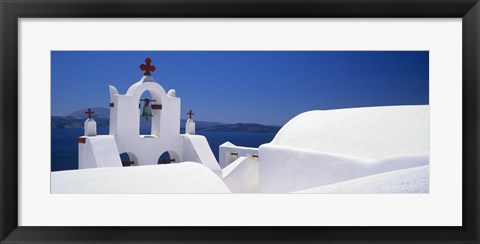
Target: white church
(355, 150)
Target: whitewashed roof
(369, 132)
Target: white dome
(370, 132)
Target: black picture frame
(12, 10)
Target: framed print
(263, 121)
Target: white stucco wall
(241, 176)
(97, 152)
(196, 149)
(227, 149)
(324, 147)
(285, 169)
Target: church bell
(147, 111)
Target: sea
(65, 148)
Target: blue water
(65, 147)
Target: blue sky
(267, 87)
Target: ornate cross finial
(147, 67)
(89, 112)
(190, 114)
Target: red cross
(89, 112)
(147, 67)
(190, 114)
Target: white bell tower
(125, 118)
(90, 125)
(190, 124)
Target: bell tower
(90, 125)
(164, 145)
(162, 110)
(190, 124)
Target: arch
(146, 126)
(140, 87)
(153, 122)
(168, 157)
(128, 159)
(157, 93)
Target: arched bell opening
(149, 114)
(128, 159)
(168, 157)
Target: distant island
(101, 115)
